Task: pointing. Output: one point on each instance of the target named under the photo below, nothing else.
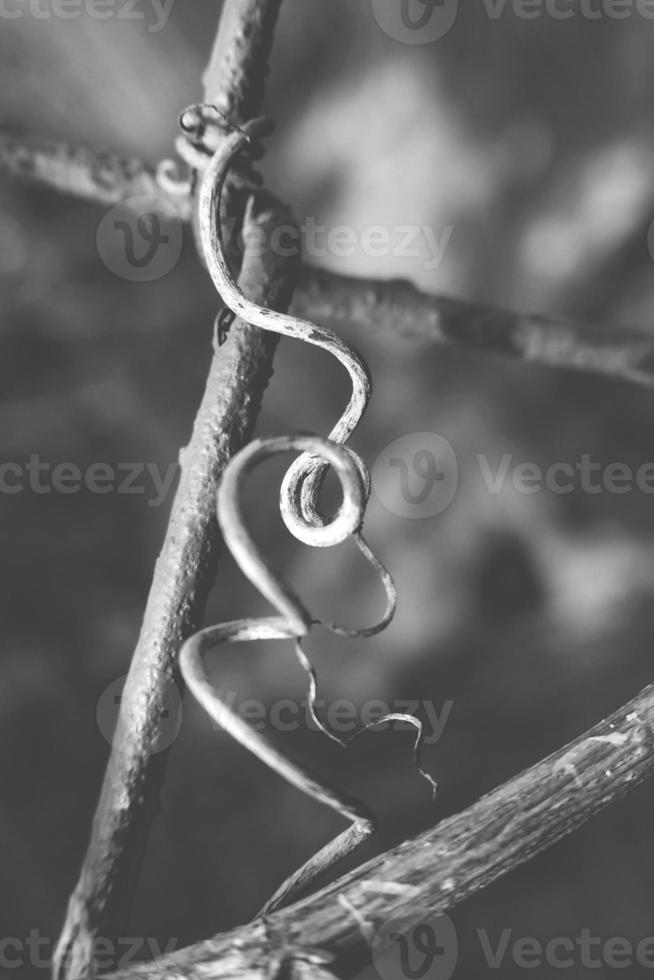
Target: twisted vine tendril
(299, 508)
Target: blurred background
(532, 141)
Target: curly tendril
(299, 506)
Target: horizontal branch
(437, 870)
(83, 171)
(380, 305)
(397, 307)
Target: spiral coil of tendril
(298, 505)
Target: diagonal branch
(184, 573)
(235, 77)
(439, 869)
(384, 305)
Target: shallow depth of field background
(535, 141)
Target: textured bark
(378, 305)
(83, 171)
(235, 78)
(396, 306)
(239, 373)
(183, 575)
(421, 878)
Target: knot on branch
(204, 128)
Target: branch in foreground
(396, 306)
(333, 929)
(389, 305)
(184, 573)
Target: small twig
(442, 867)
(184, 572)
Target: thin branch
(83, 171)
(383, 305)
(183, 575)
(185, 569)
(440, 868)
(397, 307)
(235, 78)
